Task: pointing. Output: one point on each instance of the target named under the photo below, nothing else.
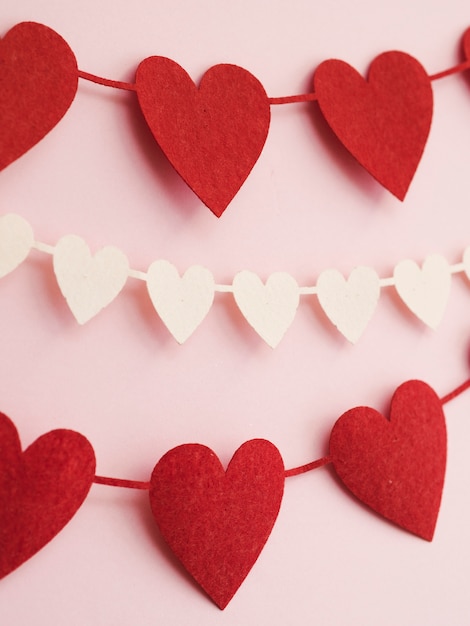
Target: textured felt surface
(383, 121)
(41, 489)
(396, 466)
(217, 522)
(212, 134)
(38, 81)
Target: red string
(306, 97)
(295, 471)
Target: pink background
(125, 383)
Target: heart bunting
(385, 121)
(41, 489)
(38, 78)
(396, 466)
(216, 522)
(212, 135)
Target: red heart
(38, 78)
(217, 522)
(41, 489)
(396, 467)
(466, 44)
(213, 135)
(385, 121)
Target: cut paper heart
(270, 309)
(212, 135)
(396, 466)
(39, 78)
(16, 241)
(181, 302)
(88, 283)
(384, 122)
(41, 489)
(217, 522)
(426, 290)
(349, 304)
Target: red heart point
(384, 122)
(396, 467)
(212, 135)
(217, 522)
(39, 77)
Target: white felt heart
(16, 241)
(270, 309)
(349, 304)
(181, 302)
(425, 290)
(88, 283)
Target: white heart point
(16, 241)
(88, 283)
(349, 304)
(181, 302)
(425, 290)
(270, 309)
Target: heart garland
(216, 521)
(90, 282)
(213, 134)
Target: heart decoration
(270, 309)
(424, 290)
(41, 489)
(349, 304)
(466, 44)
(396, 466)
(39, 78)
(88, 283)
(212, 135)
(384, 122)
(182, 302)
(16, 241)
(217, 522)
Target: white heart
(425, 291)
(88, 283)
(270, 309)
(16, 241)
(181, 302)
(349, 304)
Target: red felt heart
(385, 121)
(466, 44)
(213, 135)
(217, 522)
(41, 489)
(396, 467)
(38, 78)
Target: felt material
(466, 44)
(212, 135)
(385, 121)
(350, 303)
(424, 290)
(217, 522)
(38, 82)
(396, 466)
(269, 309)
(182, 302)
(16, 241)
(88, 283)
(41, 489)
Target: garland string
(295, 471)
